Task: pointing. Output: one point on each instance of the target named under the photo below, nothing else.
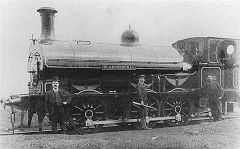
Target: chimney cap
(49, 9)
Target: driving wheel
(176, 104)
(153, 111)
(84, 112)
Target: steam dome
(130, 38)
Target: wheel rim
(135, 110)
(174, 105)
(152, 102)
(80, 111)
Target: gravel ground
(204, 135)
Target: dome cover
(130, 38)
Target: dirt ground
(202, 135)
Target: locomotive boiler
(97, 75)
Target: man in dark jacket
(215, 93)
(141, 88)
(55, 100)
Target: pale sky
(159, 22)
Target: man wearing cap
(141, 88)
(215, 93)
(55, 100)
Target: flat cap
(211, 77)
(141, 76)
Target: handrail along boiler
(97, 75)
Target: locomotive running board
(132, 120)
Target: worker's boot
(40, 130)
(63, 128)
(40, 127)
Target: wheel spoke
(99, 112)
(168, 109)
(135, 111)
(97, 107)
(76, 114)
(169, 114)
(180, 100)
(174, 102)
(84, 106)
(170, 104)
(184, 113)
(78, 108)
(136, 106)
(78, 120)
(152, 104)
(183, 103)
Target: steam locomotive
(97, 75)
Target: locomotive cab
(213, 56)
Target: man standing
(54, 106)
(141, 88)
(215, 93)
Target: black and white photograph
(120, 74)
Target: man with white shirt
(54, 106)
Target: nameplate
(118, 67)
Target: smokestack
(47, 20)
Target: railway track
(112, 127)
